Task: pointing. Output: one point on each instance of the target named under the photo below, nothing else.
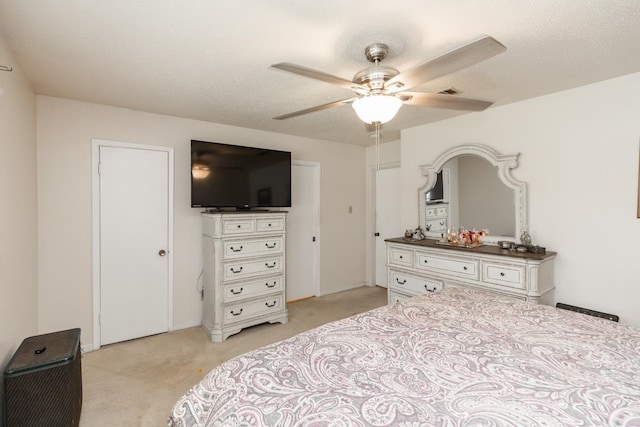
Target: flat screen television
(234, 176)
(436, 194)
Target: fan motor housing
(375, 77)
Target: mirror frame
(504, 162)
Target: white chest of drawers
(244, 271)
(436, 217)
(416, 268)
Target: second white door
(134, 243)
(387, 217)
(302, 228)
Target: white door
(387, 217)
(302, 232)
(134, 242)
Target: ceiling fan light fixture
(377, 108)
(200, 171)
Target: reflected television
(436, 194)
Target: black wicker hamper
(43, 381)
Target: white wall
(18, 239)
(579, 156)
(65, 129)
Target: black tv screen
(436, 194)
(233, 176)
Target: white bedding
(456, 357)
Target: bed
(455, 357)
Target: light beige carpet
(136, 383)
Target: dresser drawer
(247, 310)
(238, 226)
(239, 269)
(436, 225)
(510, 275)
(430, 212)
(252, 288)
(401, 257)
(395, 297)
(496, 291)
(435, 211)
(416, 285)
(254, 247)
(264, 225)
(441, 211)
(454, 266)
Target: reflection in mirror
(479, 192)
(481, 199)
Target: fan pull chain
(377, 125)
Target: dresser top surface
(485, 249)
(243, 212)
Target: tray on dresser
(457, 245)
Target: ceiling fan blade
(320, 75)
(454, 60)
(316, 108)
(451, 102)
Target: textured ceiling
(210, 60)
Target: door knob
(162, 252)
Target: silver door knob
(162, 252)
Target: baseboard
(187, 325)
(86, 348)
(345, 288)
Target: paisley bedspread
(457, 357)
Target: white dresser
(244, 271)
(418, 267)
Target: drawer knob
(270, 266)
(270, 305)
(426, 261)
(236, 250)
(235, 271)
(270, 247)
(233, 313)
(501, 274)
(233, 291)
(269, 225)
(400, 257)
(465, 268)
(238, 225)
(270, 285)
(399, 282)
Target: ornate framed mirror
(479, 192)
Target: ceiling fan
(380, 91)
